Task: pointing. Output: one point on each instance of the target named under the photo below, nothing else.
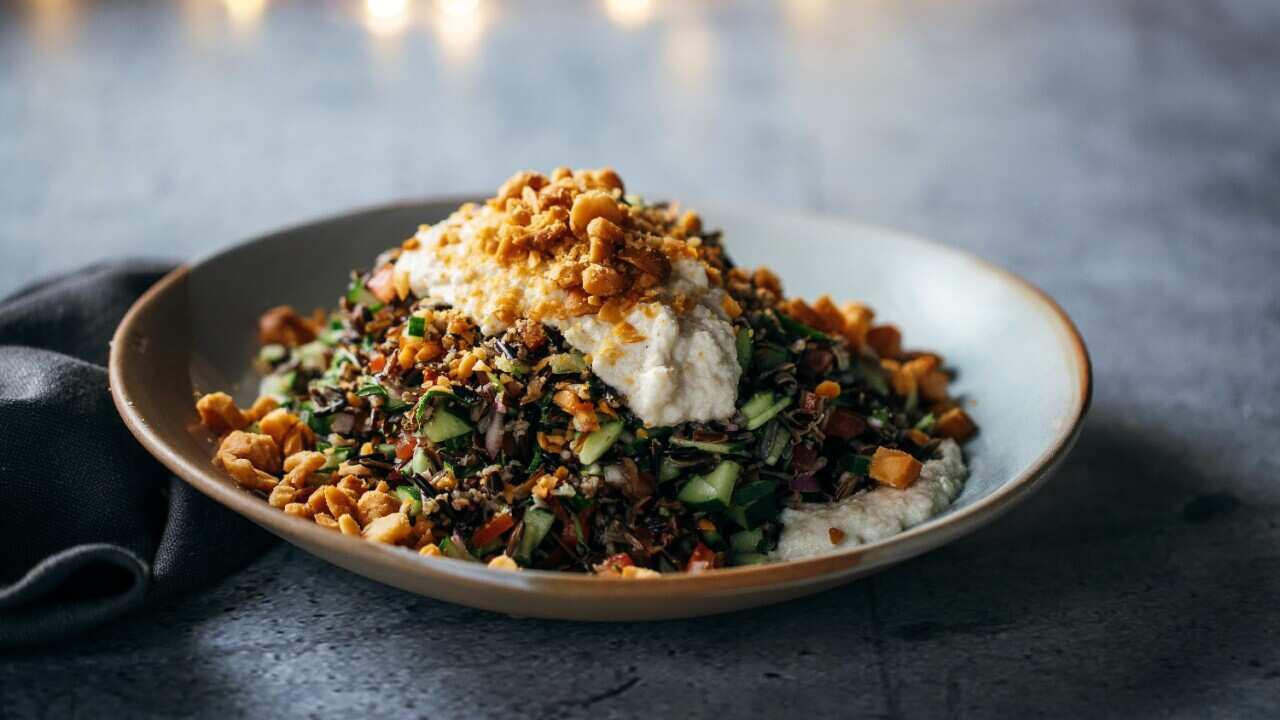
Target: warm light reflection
(245, 13)
(459, 7)
(458, 25)
(52, 21)
(386, 17)
(807, 14)
(629, 12)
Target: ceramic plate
(1019, 358)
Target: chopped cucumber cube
(697, 492)
(667, 470)
(714, 490)
(746, 541)
(421, 463)
(455, 548)
(739, 559)
(599, 442)
(417, 326)
(753, 504)
(413, 495)
(758, 404)
(444, 425)
(769, 414)
(537, 523)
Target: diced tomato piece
(492, 530)
(614, 563)
(810, 402)
(382, 284)
(845, 424)
(377, 361)
(405, 448)
(703, 558)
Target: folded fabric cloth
(93, 526)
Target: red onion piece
(493, 435)
(844, 424)
(806, 482)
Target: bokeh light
(386, 17)
(459, 26)
(459, 7)
(245, 13)
(629, 12)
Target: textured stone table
(1123, 155)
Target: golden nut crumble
(580, 230)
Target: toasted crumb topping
(607, 251)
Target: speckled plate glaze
(1021, 363)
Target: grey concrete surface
(1125, 155)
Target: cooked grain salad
(568, 377)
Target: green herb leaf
(797, 328)
(742, 341)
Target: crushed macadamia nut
(388, 529)
(374, 504)
(253, 460)
(283, 325)
(219, 413)
(503, 562)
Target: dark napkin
(91, 527)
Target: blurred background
(1014, 128)
(1122, 154)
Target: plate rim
(760, 578)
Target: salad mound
(516, 386)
